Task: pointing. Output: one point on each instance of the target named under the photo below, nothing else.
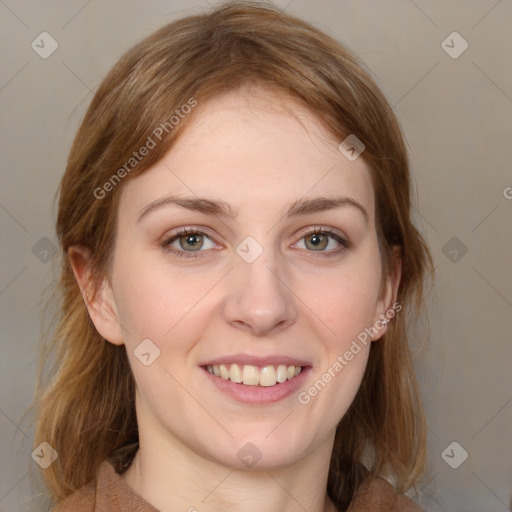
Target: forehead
(253, 147)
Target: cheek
(153, 300)
(344, 300)
(156, 304)
(346, 305)
(349, 301)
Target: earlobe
(98, 296)
(387, 306)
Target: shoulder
(107, 491)
(83, 500)
(86, 498)
(379, 495)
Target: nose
(258, 300)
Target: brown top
(110, 493)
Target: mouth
(250, 375)
(262, 382)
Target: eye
(323, 240)
(188, 241)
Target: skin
(260, 153)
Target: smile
(250, 375)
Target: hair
(85, 400)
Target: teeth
(253, 376)
(250, 375)
(224, 372)
(268, 376)
(282, 373)
(235, 375)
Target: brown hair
(85, 402)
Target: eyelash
(182, 232)
(344, 244)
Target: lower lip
(259, 394)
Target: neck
(172, 477)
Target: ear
(387, 307)
(98, 297)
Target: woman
(238, 262)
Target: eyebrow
(198, 204)
(302, 206)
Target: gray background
(457, 116)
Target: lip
(259, 361)
(260, 395)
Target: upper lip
(260, 361)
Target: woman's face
(249, 251)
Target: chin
(262, 451)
